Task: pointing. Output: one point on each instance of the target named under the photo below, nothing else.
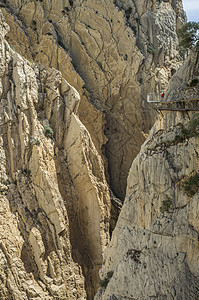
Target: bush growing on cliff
(191, 185)
(6, 182)
(194, 82)
(166, 205)
(34, 141)
(48, 131)
(105, 281)
(189, 36)
(191, 130)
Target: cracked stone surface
(54, 199)
(154, 250)
(182, 84)
(65, 126)
(113, 53)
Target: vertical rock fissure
(80, 252)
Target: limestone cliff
(154, 250)
(184, 83)
(113, 53)
(73, 116)
(54, 199)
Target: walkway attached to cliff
(191, 104)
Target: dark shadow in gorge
(79, 248)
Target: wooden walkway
(179, 105)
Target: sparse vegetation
(179, 138)
(152, 50)
(189, 36)
(12, 47)
(48, 131)
(6, 182)
(166, 205)
(34, 141)
(191, 185)
(192, 129)
(105, 281)
(194, 82)
(26, 172)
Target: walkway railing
(190, 103)
(154, 98)
(157, 98)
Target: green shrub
(191, 185)
(48, 131)
(12, 47)
(192, 129)
(189, 36)
(6, 182)
(34, 141)
(152, 50)
(105, 281)
(194, 125)
(166, 205)
(194, 82)
(179, 138)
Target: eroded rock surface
(121, 51)
(154, 251)
(54, 197)
(184, 85)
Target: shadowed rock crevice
(154, 249)
(114, 68)
(41, 258)
(79, 247)
(62, 132)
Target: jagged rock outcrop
(121, 50)
(184, 83)
(54, 197)
(55, 143)
(153, 253)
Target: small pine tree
(189, 36)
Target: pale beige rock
(61, 188)
(121, 49)
(180, 87)
(93, 200)
(153, 253)
(37, 250)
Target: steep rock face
(121, 49)
(185, 82)
(154, 251)
(49, 237)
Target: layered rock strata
(154, 251)
(54, 197)
(113, 53)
